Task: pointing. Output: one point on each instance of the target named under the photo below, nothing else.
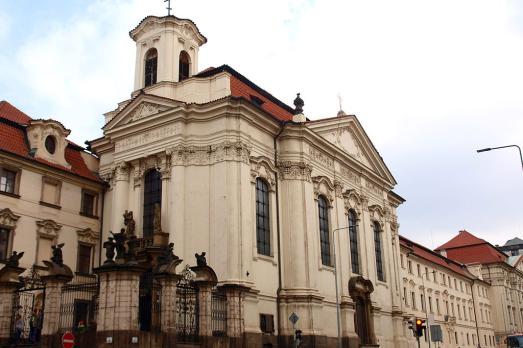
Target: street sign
(68, 340)
(294, 318)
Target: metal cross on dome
(168, 6)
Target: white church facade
(280, 204)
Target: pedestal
(168, 308)
(118, 306)
(8, 284)
(52, 304)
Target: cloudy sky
(431, 82)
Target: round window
(50, 144)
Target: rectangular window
(450, 283)
(405, 299)
(51, 192)
(413, 299)
(426, 273)
(402, 261)
(263, 231)
(379, 252)
(4, 243)
(354, 248)
(430, 305)
(88, 206)
(434, 276)
(84, 258)
(7, 180)
(267, 323)
(461, 286)
(323, 217)
(437, 306)
(422, 300)
(409, 265)
(455, 284)
(419, 269)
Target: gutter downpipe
(101, 229)
(278, 307)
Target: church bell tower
(166, 50)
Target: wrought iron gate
(187, 314)
(79, 305)
(28, 309)
(219, 313)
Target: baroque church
(297, 215)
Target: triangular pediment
(141, 107)
(347, 134)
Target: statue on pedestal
(119, 239)
(109, 246)
(130, 224)
(14, 259)
(157, 221)
(57, 257)
(200, 259)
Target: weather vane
(168, 6)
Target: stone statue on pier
(14, 259)
(157, 221)
(109, 246)
(119, 239)
(57, 257)
(200, 259)
(130, 224)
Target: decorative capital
(121, 172)
(290, 170)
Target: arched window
(377, 248)
(152, 195)
(323, 215)
(184, 65)
(151, 64)
(353, 237)
(263, 231)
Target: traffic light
(411, 324)
(420, 326)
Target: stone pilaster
(52, 304)
(168, 308)
(8, 284)
(120, 196)
(118, 305)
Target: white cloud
(430, 82)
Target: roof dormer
(47, 141)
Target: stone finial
(57, 257)
(298, 105)
(200, 259)
(14, 259)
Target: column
(52, 304)
(165, 170)
(8, 284)
(120, 196)
(118, 305)
(168, 308)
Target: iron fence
(219, 313)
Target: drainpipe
(100, 247)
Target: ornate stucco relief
(290, 170)
(147, 137)
(350, 175)
(143, 110)
(207, 155)
(48, 229)
(262, 167)
(88, 236)
(321, 157)
(323, 186)
(8, 218)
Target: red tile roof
(431, 256)
(467, 248)
(13, 140)
(464, 238)
(244, 88)
(11, 113)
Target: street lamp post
(502, 147)
(338, 315)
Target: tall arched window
(323, 215)
(263, 231)
(151, 64)
(152, 195)
(184, 65)
(379, 252)
(353, 237)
